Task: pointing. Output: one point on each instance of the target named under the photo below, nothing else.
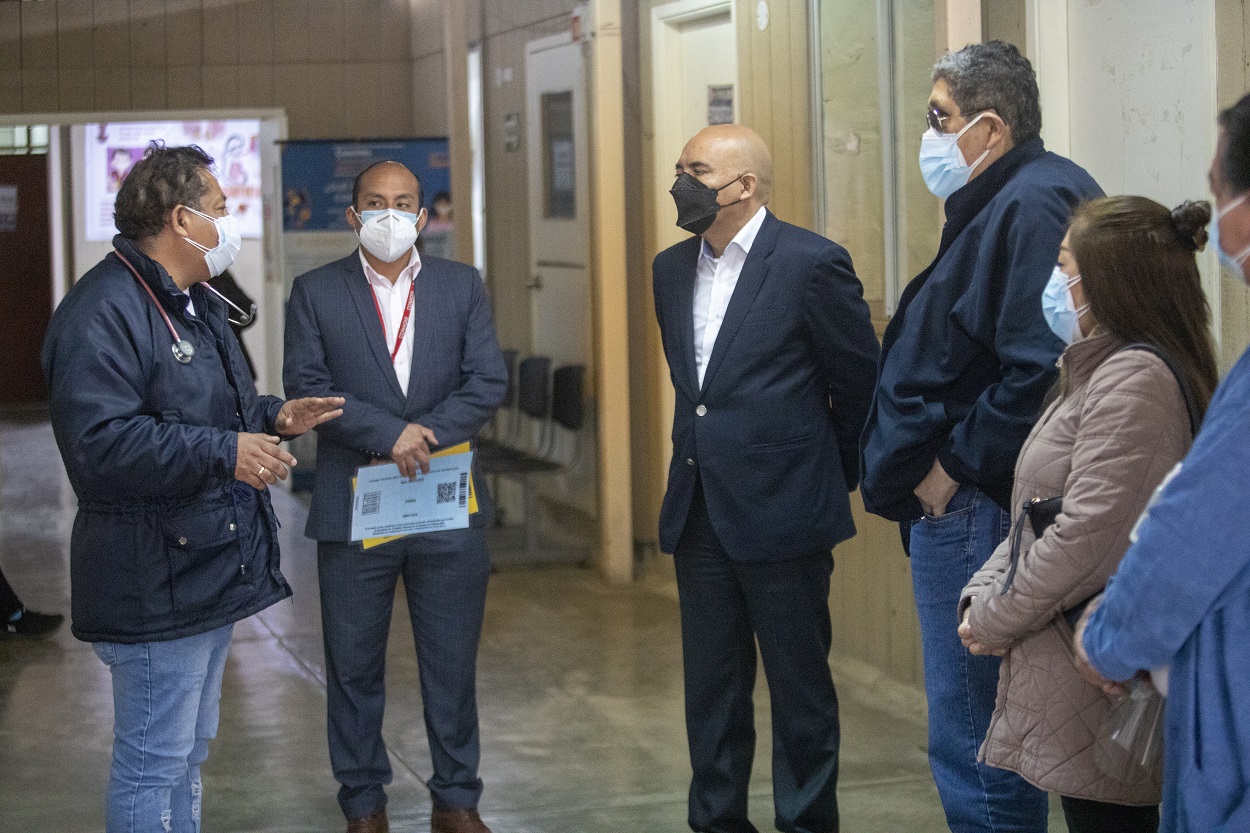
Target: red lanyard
(403, 322)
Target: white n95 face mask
(229, 242)
(387, 233)
(942, 162)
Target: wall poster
(112, 148)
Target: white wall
(1136, 98)
(1142, 75)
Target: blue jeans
(960, 688)
(165, 710)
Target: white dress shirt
(391, 299)
(714, 282)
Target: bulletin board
(317, 176)
(111, 149)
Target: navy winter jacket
(166, 543)
(968, 357)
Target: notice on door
(720, 104)
(8, 208)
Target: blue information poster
(317, 176)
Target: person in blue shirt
(1180, 599)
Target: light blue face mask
(1059, 308)
(942, 162)
(1235, 263)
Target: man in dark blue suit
(410, 343)
(773, 357)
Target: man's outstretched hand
(300, 415)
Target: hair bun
(1190, 219)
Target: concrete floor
(580, 701)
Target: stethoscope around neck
(183, 350)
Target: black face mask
(696, 202)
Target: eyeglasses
(935, 118)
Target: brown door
(25, 277)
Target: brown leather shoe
(373, 823)
(456, 820)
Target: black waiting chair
(568, 405)
(545, 401)
(534, 403)
(519, 457)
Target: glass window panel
(873, 74)
(559, 169)
(919, 213)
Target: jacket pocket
(205, 559)
(782, 445)
(765, 315)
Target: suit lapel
(750, 279)
(422, 325)
(370, 324)
(683, 303)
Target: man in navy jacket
(171, 453)
(965, 363)
(772, 356)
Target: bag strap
(1191, 405)
(1017, 532)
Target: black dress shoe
(31, 623)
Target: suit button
(182, 541)
(701, 410)
(689, 461)
(233, 527)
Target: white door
(557, 155)
(558, 199)
(694, 58)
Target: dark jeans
(726, 607)
(445, 576)
(1085, 816)
(960, 688)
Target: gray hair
(994, 76)
(1234, 166)
(164, 178)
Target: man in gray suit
(410, 343)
